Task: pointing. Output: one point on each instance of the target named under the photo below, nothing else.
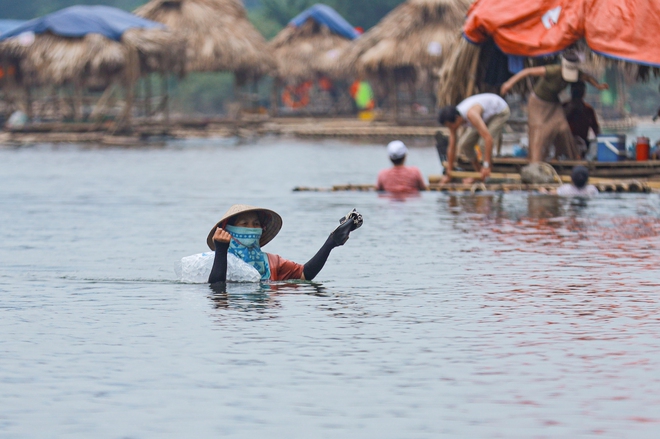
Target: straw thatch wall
(218, 35)
(93, 60)
(416, 35)
(303, 52)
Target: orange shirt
(283, 269)
(400, 179)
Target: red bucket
(643, 148)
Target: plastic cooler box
(611, 148)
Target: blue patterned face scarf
(245, 245)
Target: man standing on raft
(547, 121)
(485, 115)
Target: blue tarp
(7, 25)
(78, 21)
(324, 14)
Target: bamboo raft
(503, 183)
(629, 169)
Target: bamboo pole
(12, 90)
(102, 103)
(130, 78)
(28, 103)
(77, 101)
(147, 95)
(621, 93)
(255, 94)
(473, 75)
(394, 98)
(165, 91)
(274, 101)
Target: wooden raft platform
(625, 169)
(623, 186)
(503, 183)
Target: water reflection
(259, 296)
(498, 206)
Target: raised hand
(221, 236)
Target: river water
(447, 315)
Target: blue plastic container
(611, 147)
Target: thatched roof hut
(218, 35)
(92, 60)
(416, 35)
(311, 44)
(88, 47)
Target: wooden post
(130, 78)
(274, 101)
(28, 103)
(394, 98)
(238, 89)
(255, 94)
(621, 93)
(412, 94)
(102, 103)
(10, 87)
(147, 95)
(166, 98)
(77, 101)
(56, 103)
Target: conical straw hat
(271, 222)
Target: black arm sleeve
(336, 238)
(219, 270)
(314, 265)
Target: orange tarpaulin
(625, 30)
(622, 29)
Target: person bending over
(485, 115)
(244, 229)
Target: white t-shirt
(568, 190)
(490, 102)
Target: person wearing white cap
(546, 120)
(485, 115)
(400, 179)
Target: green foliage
(364, 13)
(282, 11)
(264, 24)
(264, 13)
(35, 8)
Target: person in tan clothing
(547, 121)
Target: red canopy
(622, 29)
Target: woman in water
(243, 230)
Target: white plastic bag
(196, 269)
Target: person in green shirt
(546, 119)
